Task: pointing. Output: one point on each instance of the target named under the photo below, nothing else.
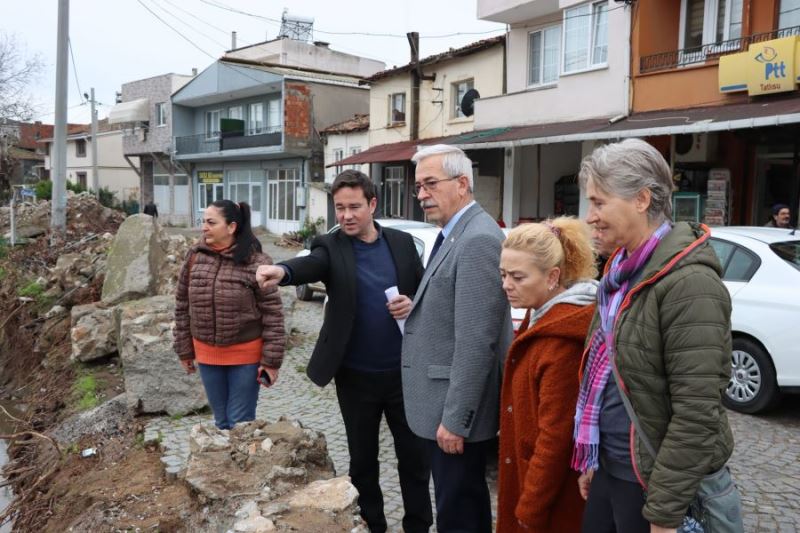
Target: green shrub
(85, 391)
(31, 289)
(107, 197)
(130, 207)
(44, 189)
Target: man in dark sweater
(359, 343)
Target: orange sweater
(540, 388)
(244, 353)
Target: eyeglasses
(430, 185)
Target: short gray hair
(454, 163)
(623, 169)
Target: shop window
(394, 185)
(585, 37)
(543, 52)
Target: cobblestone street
(765, 464)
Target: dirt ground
(123, 487)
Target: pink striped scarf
(613, 288)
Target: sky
(117, 41)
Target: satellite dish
(468, 102)
(683, 143)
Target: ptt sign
(768, 67)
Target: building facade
(145, 115)
(248, 131)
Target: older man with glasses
(455, 339)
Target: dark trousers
(462, 495)
(614, 505)
(364, 397)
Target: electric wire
(182, 21)
(75, 69)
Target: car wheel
(304, 292)
(752, 388)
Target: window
(789, 14)
(394, 198)
(212, 124)
(397, 108)
(80, 148)
(709, 21)
(543, 48)
(282, 190)
(737, 263)
(274, 118)
(459, 89)
(256, 117)
(236, 112)
(161, 114)
(585, 36)
(81, 179)
(353, 151)
(338, 155)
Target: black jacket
(332, 261)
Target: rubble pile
(269, 477)
(84, 215)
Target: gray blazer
(457, 335)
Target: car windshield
(789, 251)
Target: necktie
(436, 245)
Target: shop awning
(757, 114)
(133, 111)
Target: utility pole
(95, 178)
(58, 216)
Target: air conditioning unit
(695, 148)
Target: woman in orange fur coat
(548, 268)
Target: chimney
(233, 40)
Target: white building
(113, 171)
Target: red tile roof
(359, 122)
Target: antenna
(296, 27)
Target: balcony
(230, 140)
(699, 54)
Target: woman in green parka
(663, 321)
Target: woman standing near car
(224, 321)
(548, 269)
(663, 325)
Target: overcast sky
(116, 41)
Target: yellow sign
(209, 176)
(767, 67)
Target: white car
(424, 235)
(761, 269)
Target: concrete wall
(485, 68)
(157, 89)
(600, 92)
(307, 55)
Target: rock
(67, 271)
(255, 524)
(108, 418)
(266, 445)
(247, 510)
(202, 440)
(55, 311)
(154, 379)
(93, 332)
(133, 261)
(335, 495)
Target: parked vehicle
(761, 269)
(424, 235)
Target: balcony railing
(229, 140)
(699, 54)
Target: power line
(221, 30)
(179, 19)
(167, 24)
(75, 69)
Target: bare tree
(17, 72)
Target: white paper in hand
(390, 293)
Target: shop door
(247, 186)
(777, 179)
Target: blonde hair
(563, 242)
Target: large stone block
(133, 260)
(154, 379)
(93, 332)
